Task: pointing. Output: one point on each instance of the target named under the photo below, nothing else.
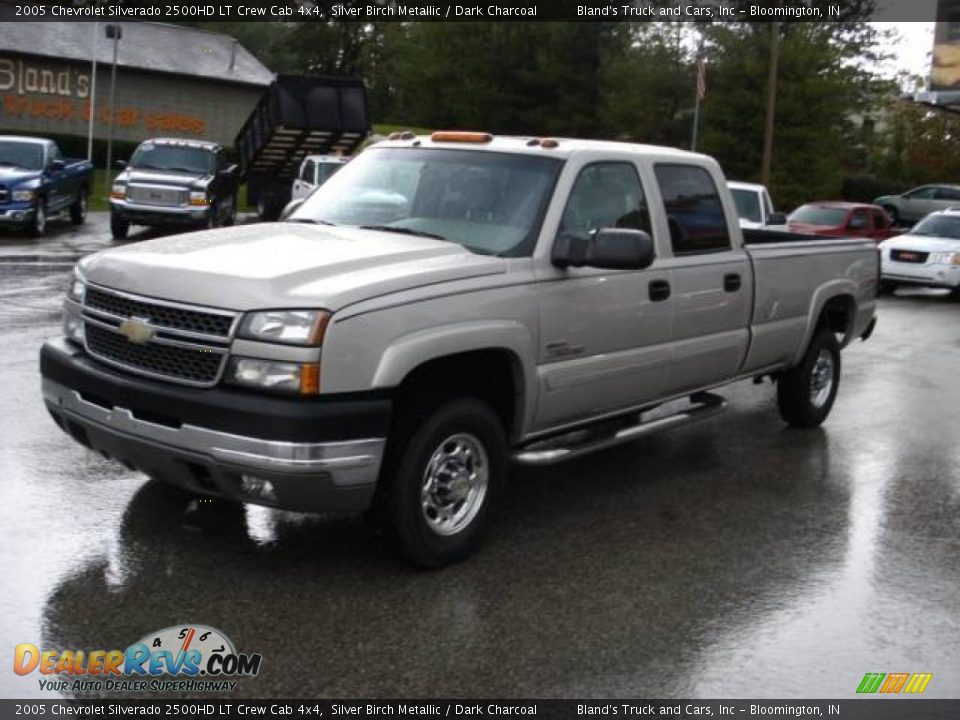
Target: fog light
(256, 487)
(73, 328)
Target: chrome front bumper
(316, 476)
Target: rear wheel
(805, 394)
(78, 211)
(119, 228)
(441, 482)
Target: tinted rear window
(693, 207)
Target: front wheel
(119, 228)
(887, 287)
(806, 393)
(441, 483)
(37, 224)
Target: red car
(841, 219)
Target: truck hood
(10, 175)
(283, 265)
(923, 243)
(165, 177)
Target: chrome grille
(194, 366)
(188, 344)
(156, 195)
(909, 256)
(174, 317)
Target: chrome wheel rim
(454, 484)
(83, 206)
(821, 378)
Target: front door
(603, 333)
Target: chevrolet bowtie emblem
(137, 330)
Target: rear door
(711, 280)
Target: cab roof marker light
(401, 135)
(461, 136)
(549, 143)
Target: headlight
(946, 258)
(303, 378)
(294, 327)
(118, 191)
(24, 195)
(199, 197)
(77, 289)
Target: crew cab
(315, 170)
(841, 219)
(441, 306)
(171, 182)
(36, 182)
(927, 255)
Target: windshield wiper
(11, 164)
(187, 170)
(311, 221)
(402, 231)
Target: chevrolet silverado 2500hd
(440, 306)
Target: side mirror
(777, 218)
(120, 163)
(608, 248)
(57, 166)
(290, 207)
(230, 170)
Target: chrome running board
(581, 442)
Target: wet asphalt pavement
(730, 558)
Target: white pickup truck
(441, 306)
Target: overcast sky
(911, 49)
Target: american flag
(701, 78)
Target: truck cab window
(693, 208)
(858, 221)
(606, 195)
(306, 172)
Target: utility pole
(114, 32)
(93, 90)
(771, 103)
(701, 90)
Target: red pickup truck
(841, 219)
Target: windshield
(748, 204)
(26, 155)
(172, 157)
(942, 226)
(489, 203)
(818, 215)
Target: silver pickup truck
(442, 306)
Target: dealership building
(170, 80)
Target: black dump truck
(297, 116)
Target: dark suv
(174, 182)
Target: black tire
(405, 502)
(231, 217)
(78, 211)
(119, 228)
(887, 287)
(802, 397)
(37, 224)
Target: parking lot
(734, 557)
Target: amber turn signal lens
(310, 378)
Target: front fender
(408, 352)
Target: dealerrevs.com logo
(188, 658)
